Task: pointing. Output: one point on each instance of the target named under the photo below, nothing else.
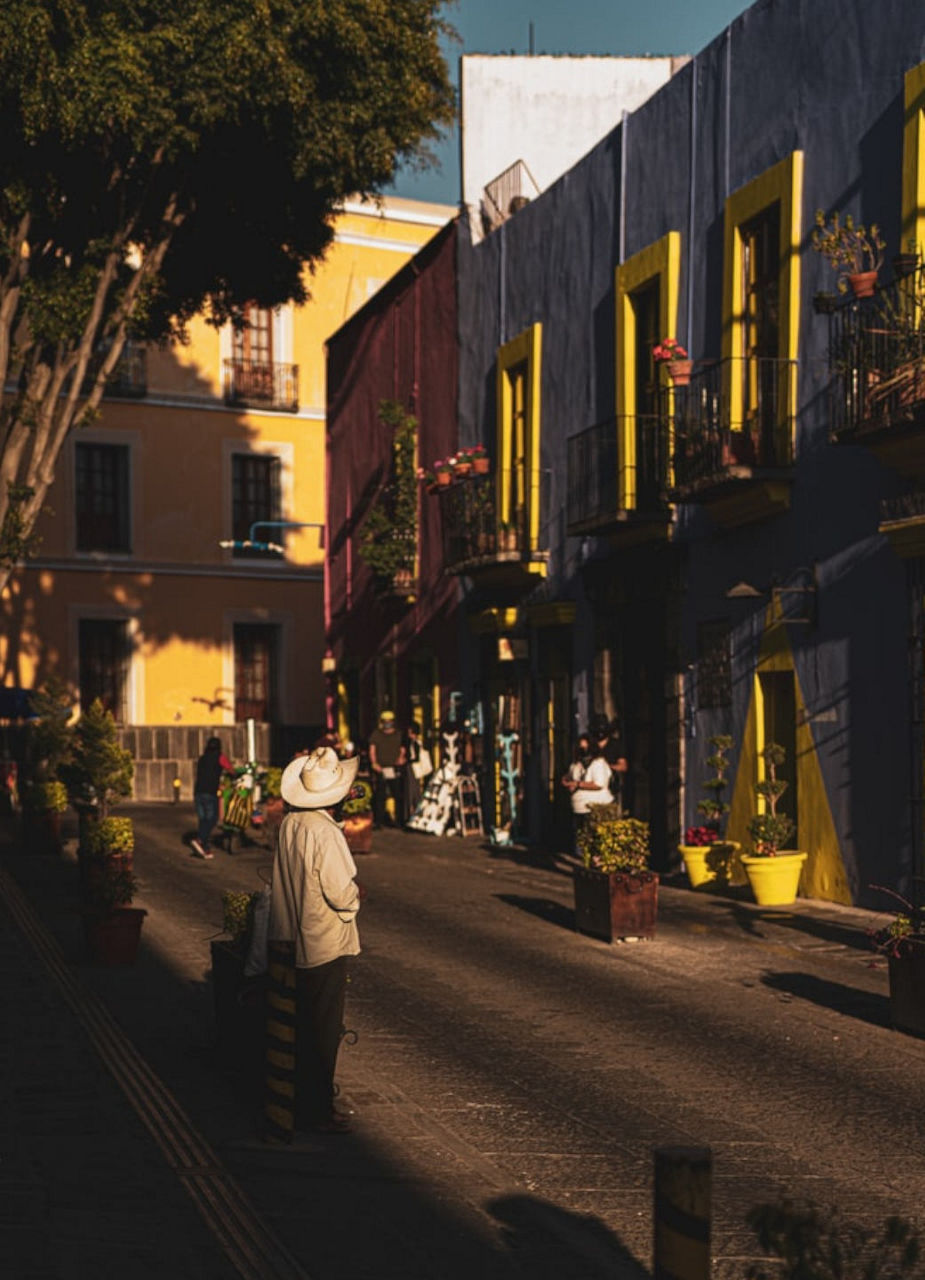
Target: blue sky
(628, 27)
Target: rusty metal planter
(907, 990)
(618, 904)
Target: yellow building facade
(141, 591)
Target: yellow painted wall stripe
(913, 197)
(824, 874)
(525, 348)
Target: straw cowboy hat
(317, 780)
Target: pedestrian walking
(578, 796)
(314, 900)
(209, 769)
(386, 760)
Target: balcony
(877, 366)
(129, 379)
(902, 520)
(252, 384)
(594, 499)
(733, 438)
(476, 543)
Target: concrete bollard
(683, 1177)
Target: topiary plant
(713, 808)
(111, 835)
(45, 797)
(609, 842)
(771, 830)
(100, 771)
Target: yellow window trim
(783, 182)
(525, 348)
(662, 259)
(913, 207)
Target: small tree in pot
(902, 941)
(707, 857)
(773, 871)
(99, 772)
(616, 895)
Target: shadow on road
(523, 1218)
(551, 912)
(864, 1005)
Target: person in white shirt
(314, 900)
(573, 775)
(597, 776)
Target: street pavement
(509, 1077)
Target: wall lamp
(795, 600)
(251, 542)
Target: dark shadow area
(864, 1005)
(309, 1193)
(523, 1218)
(551, 912)
(536, 856)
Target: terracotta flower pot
(463, 468)
(680, 372)
(481, 466)
(863, 283)
(113, 939)
(444, 477)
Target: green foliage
(812, 1244)
(359, 800)
(112, 886)
(45, 797)
(99, 771)
(771, 830)
(389, 540)
(168, 158)
(610, 842)
(50, 734)
(238, 913)
(110, 835)
(17, 539)
(270, 782)
(713, 808)
(905, 931)
(849, 248)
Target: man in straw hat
(312, 930)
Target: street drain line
(255, 1252)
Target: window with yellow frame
(761, 303)
(518, 478)
(913, 197)
(646, 288)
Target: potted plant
(670, 352)
(357, 811)
(773, 870)
(43, 804)
(854, 251)
(616, 895)
(902, 941)
(106, 852)
(99, 771)
(707, 857)
(443, 471)
(111, 925)
(481, 463)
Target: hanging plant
(388, 543)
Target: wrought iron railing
(262, 385)
(130, 376)
(470, 524)
(877, 359)
(737, 415)
(594, 464)
(905, 506)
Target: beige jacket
(314, 897)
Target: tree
(165, 158)
(99, 771)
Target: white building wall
(546, 111)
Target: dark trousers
(207, 815)
(320, 993)
(386, 787)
